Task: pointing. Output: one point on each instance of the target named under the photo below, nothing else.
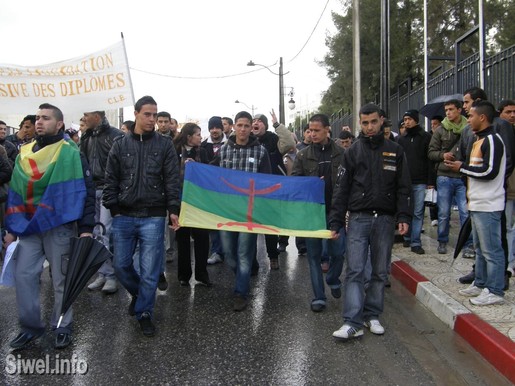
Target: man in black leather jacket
(141, 185)
(374, 186)
(95, 145)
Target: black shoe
(23, 339)
(132, 305)
(146, 325)
(162, 284)
(418, 250)
(468, 278)
(302, 251)
(205, 283)
(336, 292)
(387, 283)
(507, 276)
(184, 283)
(62, 340)
(239, 303)
(274, 264)
(317, 307)
(406, 244)
(281, 248)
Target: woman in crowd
(187, 144)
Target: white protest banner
(98, 81)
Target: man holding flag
(51, 193)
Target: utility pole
(356, 67)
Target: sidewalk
(432, 279)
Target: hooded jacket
(373, 177)
(142, 176)
(95, 145)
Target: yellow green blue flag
(47, 188)
(232, 200)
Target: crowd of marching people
(63, 183)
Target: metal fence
(499, 84)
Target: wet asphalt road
(276, 341)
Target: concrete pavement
(432, 278)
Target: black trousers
(201, 248)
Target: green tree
(447, 21)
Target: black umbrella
(86, 256)
(465, 231)
(436, 106)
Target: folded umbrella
(437, 105)
(463, 236)
(86, 256)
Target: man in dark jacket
(10, 149)
(374, 186)
(322, 159)
(26, 132)
(212, 145)
(416, 145)
(141, 184)
(277, 145)
(44, 231)
(95, 145)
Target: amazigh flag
(232, 200)
(47, 188)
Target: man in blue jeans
(374, 186)
(485, 168)
(242, 151)
(444, 145)
(142, 183)
(416, 145)
(322, 160)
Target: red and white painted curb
(495, 347)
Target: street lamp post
(291, 103)
(246, 105)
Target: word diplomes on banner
(99, 81)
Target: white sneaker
(486, 298)
(434, 223)
(347, 332)
(215, 258)
(471, 290)
(98, 283)
(110, 286)
(375, 326)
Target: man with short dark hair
(164, 124)
(416, 144)
(10, 149)
(485, 169)
(95, 144)
(49, 202)
(505, 130)
(322, 159)
(444, 146)
(228, 126)
(242, 151)
(142, 186)
(374, 186)
(26, 132)
(507, 110)
(345, 139)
